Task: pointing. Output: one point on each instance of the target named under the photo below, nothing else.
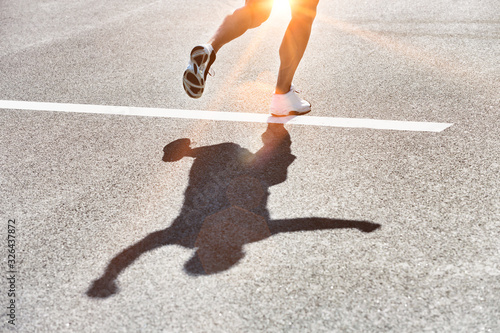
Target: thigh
(263, 2)
(265, 5)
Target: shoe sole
(192, 73)
(291, 113)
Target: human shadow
(225, 207)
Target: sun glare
(281, 7)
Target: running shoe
(201, 58)
(289, 104)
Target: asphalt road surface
(123, 222)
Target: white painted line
(229, 116)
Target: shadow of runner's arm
(318, 223)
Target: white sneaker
(289, 104)
(201, 58)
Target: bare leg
(295, 41)
(253, 14)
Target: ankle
(281, 91)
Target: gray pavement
(351, 230)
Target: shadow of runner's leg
(106, 286)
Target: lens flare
(281, 7)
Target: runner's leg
(253, 14)
(295, 41)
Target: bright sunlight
(281, 7)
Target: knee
(259, 13)
(304, 11)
